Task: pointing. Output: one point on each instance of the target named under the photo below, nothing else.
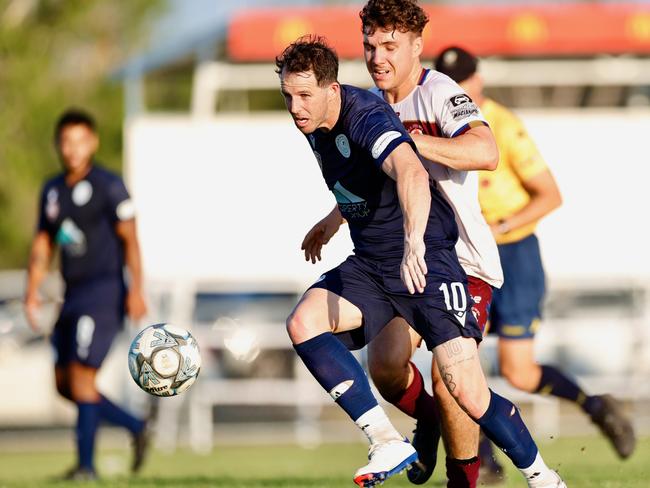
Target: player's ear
(333, 90)
(418, 46)
(95, 142)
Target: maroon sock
(416, 402)
(462, 473)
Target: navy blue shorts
(441, 313)
(89, 321)
(517, 306)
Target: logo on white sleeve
(383, 141)
(343, 145)
(125, 210)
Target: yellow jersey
(501, 192)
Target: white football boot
(557, 482)
(386, 459)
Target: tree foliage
(55, 54)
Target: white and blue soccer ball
(164, 360)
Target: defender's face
(77, 146)
(391, 56)
(306, 101)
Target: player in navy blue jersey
(87, 213)
(404, 264)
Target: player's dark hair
(310, 53)
(401, 15)
(73, 116)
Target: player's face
(309, 104)
(392, 58)
(77, 146)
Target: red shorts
(481, 294)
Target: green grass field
(584, 463)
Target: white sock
(375, 424)
(538, 475)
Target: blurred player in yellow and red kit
(513, 199)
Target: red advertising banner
(540, 30)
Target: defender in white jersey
(437, 107)
(448, 129)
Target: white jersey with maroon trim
(437, 106)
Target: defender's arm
(473, 150)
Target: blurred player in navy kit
(513, 199)
(404, 264)
(86, 211)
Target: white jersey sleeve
(454, 111)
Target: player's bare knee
(519, 378)
(63, 388)
(301, 326)
(84, 392)
(512, 372)
(390, 383)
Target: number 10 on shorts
(455, 297)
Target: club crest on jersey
(82, 193)
(343, 145)
(414, 128)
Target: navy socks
(338, 372)
(87, 421)
(116, 415)
(503, 425)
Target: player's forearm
(335, 215)
(467, 152)
(415, 200)
(538, 207)
(39, 262)
(133, 263)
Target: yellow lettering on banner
(637, 27)
(289, 30)
(528, 28)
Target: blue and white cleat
(386, 459)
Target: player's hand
(319, 235)
(32, 307)
(413, 270)
(136, 308)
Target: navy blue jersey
(81, 221)
(351, 156)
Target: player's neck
(333, 113)
(399, 93)
(72, 177)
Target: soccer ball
(164, 360)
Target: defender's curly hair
(401, 15)
(310, 53)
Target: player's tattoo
(452, 349)
(449, 381)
